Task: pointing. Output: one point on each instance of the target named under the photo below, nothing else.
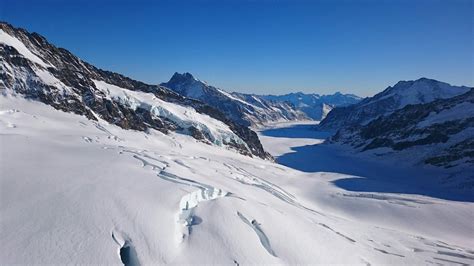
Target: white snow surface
(51, 80)
(21, 48)
(459, 111)
(183, 116)
(423, 91)
(75, 191)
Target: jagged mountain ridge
(391, 99)
(314, 105)
(36, 69)
(439, 133)
(244, 109)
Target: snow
(277, 136)
(75, 191)
(251, 108)
(325, 110)
(51, 80)
(460, 111)
(258, 100)
(21, 48)
(228, 95)
(196, 90)
(184, 116)
(422, 91)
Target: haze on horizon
(264, 47)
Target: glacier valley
(78, 191)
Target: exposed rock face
(243, 109)
(440, 132)
(391, 99)
(36, 69)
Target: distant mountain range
(244, 109)
(314, 105)
(259, 110)
(428, 120)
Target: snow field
(78, 191)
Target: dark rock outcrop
(442, 131)
(76, 91)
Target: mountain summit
(391, 99)
(36, 69)
(244, 109)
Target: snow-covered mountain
(100, 169)
(439, 133)
(35, 69)
(391, 99)
(244, 109)
(79, 191)
(314, 105)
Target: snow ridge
(76, 86)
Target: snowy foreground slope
(80, 191)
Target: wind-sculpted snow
(76, 191)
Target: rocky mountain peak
(395, 97)
(244, 109)
(184, 78)
(38, 70)
(422, 90)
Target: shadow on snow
(296, 131)
(369, 176)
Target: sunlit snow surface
(21, 48)
(78, 191)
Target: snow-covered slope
(244, 109)
(100, 169)
(33, 68)
(391, 99)
(79, 191)
(314, 105)
(440, 133)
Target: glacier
(78, 191)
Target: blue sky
(268, 46)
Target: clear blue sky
(267, 46)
